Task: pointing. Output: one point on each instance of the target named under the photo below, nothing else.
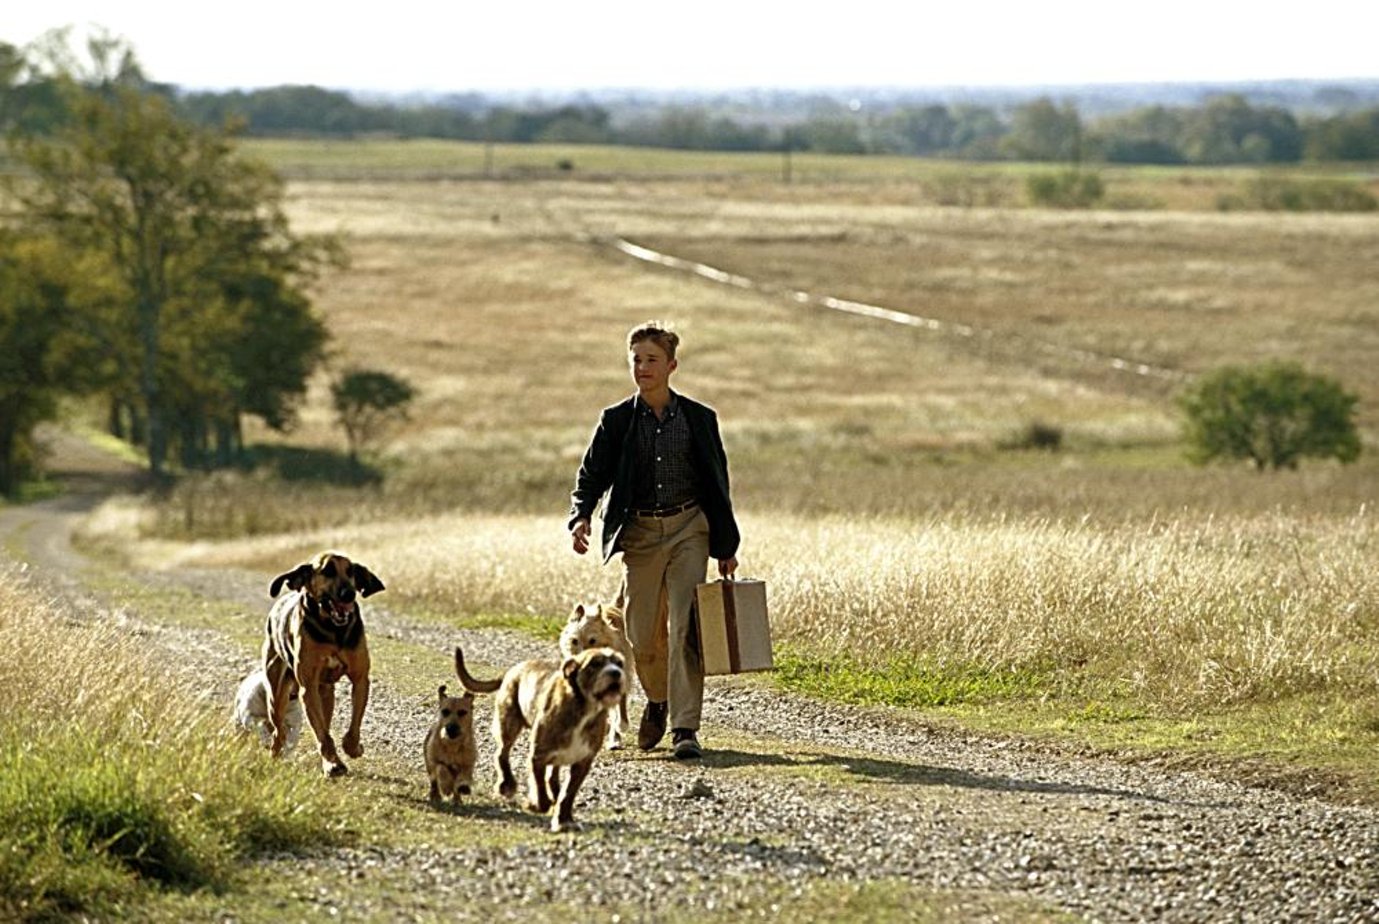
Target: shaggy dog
(251, 711)
(314, 636)
(450, 750)
(601, 626)
(565, 704)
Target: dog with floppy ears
(450, 751)
(601, 626)
(314, 635)
(566, 705)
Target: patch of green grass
(534, 624)
(903, 681)
(90, 820)
(27, 492)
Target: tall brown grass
(118, 775)
(867, 459)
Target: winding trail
(792, 796)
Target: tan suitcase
(734, 633)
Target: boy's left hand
(727, 566)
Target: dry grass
(866, 458)
(1178, 612)
(116, 779)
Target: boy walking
(659, 458)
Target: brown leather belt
(660, 512)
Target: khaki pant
(666, 559)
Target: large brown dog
(601, 626)
(314, 636)
(565, 704)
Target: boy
(660, 459)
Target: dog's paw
(352, 747)
(333, 768)
(506, 791)
(615, 741)
(462, 789)
(565, 826)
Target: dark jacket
(607, 468)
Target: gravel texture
(792, 790)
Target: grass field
(1106, 591)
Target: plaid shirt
(664, 474)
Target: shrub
(1037, 435)
(1272, 414)
(1070, 189)
(365, 400)
(1279, 194)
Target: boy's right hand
(579, 534)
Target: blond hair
(658, 333)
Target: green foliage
(1283, 194)
(365, 400)
(1273, 414)
(42, 354)
(201, 314)
(1042, 131)
(1068, 189)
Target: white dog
(251, 711)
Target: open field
(1020, 613)
(841, 179)
(878, 468)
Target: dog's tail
(471, 684)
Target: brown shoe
(653, 727)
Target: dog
(601, 626)
(251, 711)
(450, 750)
(566, 705)
(314, 635)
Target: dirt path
(793, 797)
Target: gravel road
(794, 790)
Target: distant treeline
(1226, 129)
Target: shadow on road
(899, 773)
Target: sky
(464, 45)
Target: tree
(365, 400)
(1042, 131)
(1272, 414)
(196, 244)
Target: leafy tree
(1272, 414)
(196, 246)
(45, 350)
(927, 130)
(1042, 131)
(365, 400)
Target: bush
(1272, 414)
(1278, 194)
(1037, 435)
(1070, 189)
(365, 401)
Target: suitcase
(734, 633)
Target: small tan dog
(251, 711)
(450, 750)
(565, 704)
(602, 626)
